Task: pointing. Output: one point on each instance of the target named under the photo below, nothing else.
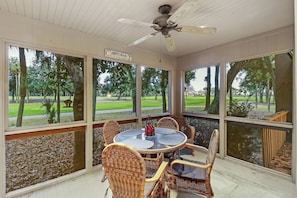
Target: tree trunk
(95, 84)
(283, 83)
(261, 95)
(23, 86)
(164, 83)
(208, 87)
(75, 70)
(134, 100)
(58, 89)
(256, 95)
(215, 105)
(230, 78)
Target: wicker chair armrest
(197, 147)
(184, 162)
(192, 132)
(162, 170)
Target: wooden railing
(273, 139)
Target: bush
(240, 109)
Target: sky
(14, 52)
(198, 83)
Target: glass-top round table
(165, 140)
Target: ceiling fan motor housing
(161, 21)
(165, 9)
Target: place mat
(132, 132)
(164, 131)
(138, 143)
(172, 139)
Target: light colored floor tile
(229, 180)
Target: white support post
(89, 112)
(2, 119)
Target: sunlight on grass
(193, 104)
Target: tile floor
(230, 179)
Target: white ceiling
(234, 19)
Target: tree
(132, 84)
(58, 87)
(150, 82)
(235, 68)
(284, 83)
(94, 88)
(120, 81)
(14, 71)
(49, 74)
(23, 86)
(189, 75)
(214, 107)
(258, 77)
(35, 80)
(208, 87)
(74, 67)
(164, 84)
(155, 81)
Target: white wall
(277, 41)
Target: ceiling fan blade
(135, 22)
(143, 39)
(186, 7)
(197, 30)
(170, 44)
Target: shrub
(240, 109)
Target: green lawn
(105, 103)
(32, 109)
(102, 104)
(195, 100)
(193, 103)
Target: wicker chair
(153, 163)
(188, 130)
(191, 175)
(168, 122)
(110, 129)
(126, 172)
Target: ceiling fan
(167, 22)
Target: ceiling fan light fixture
(169, 42)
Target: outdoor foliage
(240, 109)
(208, 90)
(46, 77)
(50, 110)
